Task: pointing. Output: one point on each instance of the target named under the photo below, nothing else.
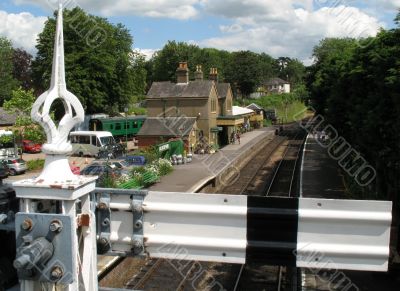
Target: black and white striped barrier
(314, 233)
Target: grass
(292, 111)
(35, 165)
(277, 101)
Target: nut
(27, 224)
(56, 273)
(56, 226)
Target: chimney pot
(198, 75)
(213, 74)
(182, 73)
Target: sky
(277, 27)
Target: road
(77, 161)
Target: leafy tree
(21, 104)
(244, 71)
(7, 81)
(22, 62)
(98, 60)
(166, 61)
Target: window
(135, 124)
(94, 141)
(74, 139)
(84, 139)
(118, 126)
(111, 126)
(213, 105)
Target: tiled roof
(169, 126)
(276, 81)
(223, 89)
(194, 89)
(6, 118)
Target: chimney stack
(213, 75)
(182, 73)
(198, 75)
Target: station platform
(321, 178)
(320, 175)
(192, 176)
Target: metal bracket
(115, 206)
(44, 248)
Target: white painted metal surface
(344, 234)
(57, 182)
(196, 227)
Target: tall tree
(7, 80)
(22, 62)
(97, 60)
(245, 71)
(165, 62)
(21, 104)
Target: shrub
(163, 166)
(35, 165)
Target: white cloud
(22, 29)
(148, 53)
(295, 31)
(176, 9)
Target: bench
(150, 178)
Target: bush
(35, 165)
(163, 166)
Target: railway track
(283, 183)
(160, 274)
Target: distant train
(118, 126)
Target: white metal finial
(57, 146)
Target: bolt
(56, 273)
(138, 224)
(56, 226)
(102, 205)
(27, 224)
(106, 222)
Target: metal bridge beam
(302, 232)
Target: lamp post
(126, 124)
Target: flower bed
(143, 177)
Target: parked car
(75, 169)
(4, 170)
(102, 170)
(98, 169)
(31, 147)
(120, 164)
(16, 165)
(135, 160)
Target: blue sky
(279, 28)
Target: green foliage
(7, 80)
(164, 167)
(287, 105)
(357, 88)
(21, 104)
(245, 70)
(101, 68)
(35, 165)
(107, 181)
(22, 62)
(137, 111)
(150, 154)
